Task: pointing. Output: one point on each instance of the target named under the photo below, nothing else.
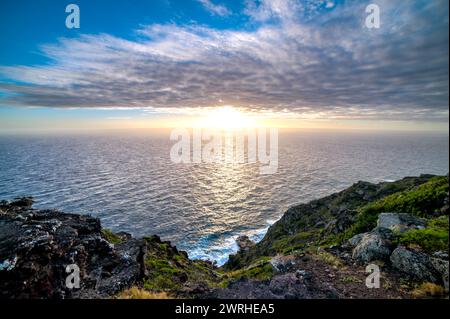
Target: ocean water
(129, 182)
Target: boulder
(37, 246)
(441, 266)
(244, 243)
(441, 255)
(355, 240)
(281, 263)
(415, 264)
(371, 246)
(400, 222)
(383, 233)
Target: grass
(351, 280)
(330, 259)
(264, 272)
(431, 239)
(138, 293)
(260, 270)
(169, 269)
(162, 274)
(428, 290)
(423, 201)
(288, 244)
(161, 282)
(111, 237)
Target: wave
(218, 247)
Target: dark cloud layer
(311, 57)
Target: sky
(164, 63)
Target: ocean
(128, 180)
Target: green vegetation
(330, 259)
(305, 228)
(259, 270)
(163, 274)
(431, 239)
(111, 237)
(289, 244)
(351, 280)
(423, 201)
(169, 269)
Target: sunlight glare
(226, 117)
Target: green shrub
(259, 272)
(111, 237)
(423, 201)
(162, 275)
(288, 244)
(160, 283)
(431, 239)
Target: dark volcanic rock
(284, 286)
(441, 266)
(244, 243)
(283, 263)
(415, 264)
(371, 246)
(36, 246)
(400, 222)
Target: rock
(23, 202)
(355, 240)
(283, 286)
(340, 224)
(124, 236)
(415, 264)
(400, 222)
(320, 224)
(441, 267)
(371, 247)
(36, 248)
(301, 273)
(441, 255)
(244, 243)
(384, 233)
(282, 263)
(286, 286)
(194, 289)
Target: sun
(226, 117)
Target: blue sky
(299, 60)
(28, 24)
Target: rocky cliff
(319, 249)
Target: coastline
(46, 241)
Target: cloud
(329, 66)
(215, 9)
(263, 10)
(286, 11)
